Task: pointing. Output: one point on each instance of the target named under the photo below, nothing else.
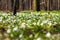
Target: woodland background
(7, 5)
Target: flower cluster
(30, 26)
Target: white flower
(45, 21)
(1, 18)
(11, 17)
(23, 15)
(3, 21)
(41, 24)
(38, 23)
(21, 35)
(23, 25)
(14, 21)
(38, 38)
(9, 30)
(29, 21)
(15, 29)
(57, 14)
(30, 36)
(48, 35)
(55, 23)
(49, 23)
(34, 23)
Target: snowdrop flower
(34, 23)
(23, 15)
(30, 36)
(1, 18)
(23, 25)
(55, 23)
(38, 23)
(9, 30)
(15, 29)
(21, 35)
(3, 21)
(41, 24)
(14, 21)
(38, 38)
(17, 13)
(29, 21)
(11, 17)
(45, 21)
(49, 23)
(48, 35)
(54, 19)
(57, 14)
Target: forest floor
(54, 36)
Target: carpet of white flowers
(31, 26)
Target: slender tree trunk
(48, 6)
(9, 7)
(38, 5)
(58, 4)
(20, 5)
(15, 7)
(34, 5)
